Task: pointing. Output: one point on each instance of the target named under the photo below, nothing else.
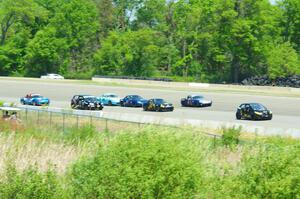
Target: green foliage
(192, 40)
(147, 164)
(272, 172)
(282, 61)
(81, 134)
(29, 183)
(132, 53)
(230, 136)
(155, 162)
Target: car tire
(270, 118)
(252, 117)
(238, 116)
(109, 103)
(157, 109)
(145, 108)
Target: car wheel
(86, 107)
(157, 109)
(109, 103)
(270, 117)
(252, 117)
(238, 116)
(145, 108)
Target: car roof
(133, 95)
(109, 94)
(196, 95)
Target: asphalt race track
(286, 110)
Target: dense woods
(200, 40)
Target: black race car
(86, 102)
(132, 101)
(157, 105)
(195, 101)
(253, 111)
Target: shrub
(141, 165)
(29, 183)
(271, 172)
(230, 136)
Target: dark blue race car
(132, 101)
(35, 100)
(195, 101)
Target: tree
(45, 53)
(76, 21)
(134, 53)
(13, 12)
(290, 21)
(282, 61)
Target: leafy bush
(29, 184)
(231, 136)
(144, 165)
(1, 103)
(272, 172)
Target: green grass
(145, 162)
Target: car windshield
(90, 98)
(258, 107)
(36, 96)
(198, 97)
(160, 101)
(111, 95)
(136, 97)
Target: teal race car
(109, 99)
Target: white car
(52, 76)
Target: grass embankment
(148, 162)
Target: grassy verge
(144, 162)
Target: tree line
(201, 40)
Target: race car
(132, 101)
(195, 101)
(109, 99)
(253, 111)
(86, 102)
(157, 105)
(35, 100)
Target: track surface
(286, 110)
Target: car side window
(247, 107)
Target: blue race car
(109, 99)
(35, 100)
(132, 101)
(195, 101)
